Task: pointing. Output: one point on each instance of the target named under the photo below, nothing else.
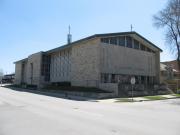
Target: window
(125, 41)
(121, 41)
(104, 78)
(142, 79)
(136, 44)
(113, 40)
(149, 50)
(129, 42)
(148, 80)
(153, 51)
(46, 67)
(137, 79)
(31, 71)
(113, 78)
(142, 47)
(105, 40)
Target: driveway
(23, 113)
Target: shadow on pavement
(51, 94)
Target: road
(23, 113)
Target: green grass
(155, 97)
(178, 91)
(124, 100)
(158, 97)
(177, 95)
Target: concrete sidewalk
(139, 99)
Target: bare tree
(169, 18)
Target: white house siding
(60, 69)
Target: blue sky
(29, 26)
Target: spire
(69, 36)
(131, 27)
(69, 29)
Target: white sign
(133, 80)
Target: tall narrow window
(113, 40)
(113, 78)
(31, 78)
(136, 44)
(23, 72)
(142, 80)
(106, 78)
(105, 40)
(121, 41)
(149, 50)
(129, 41)
(142, 47)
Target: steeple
(69, 36)
(131, 28)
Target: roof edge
(101, 35)
(20, 60)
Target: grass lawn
(147, 98)
(155, 97)
(177, 95)
(124, 100)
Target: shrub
(61, 84)
(31, 86)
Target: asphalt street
(23, 113)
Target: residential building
(175, 68)
(8, 78)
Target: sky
(30, 26)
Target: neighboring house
(8, 78)
(101, 60)
(170, 74)
(174, 65)
(167, 72)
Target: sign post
(177, 91)
(133, 81)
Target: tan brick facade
(84, 62)
(34, 77)
(29, 70)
